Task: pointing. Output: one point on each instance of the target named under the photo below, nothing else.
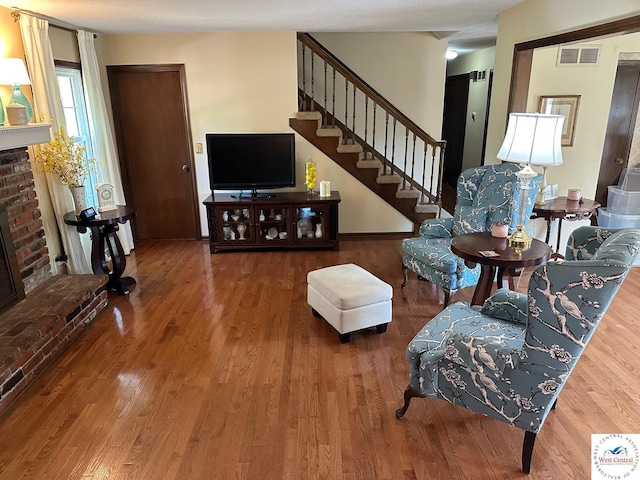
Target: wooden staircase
(406, 172)
(369, 171)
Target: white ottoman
(349, 298)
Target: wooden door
(622, 120)
(154, 144)
(454, 124)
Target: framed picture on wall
(566, 105)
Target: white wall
(247, 82)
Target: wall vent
(578, 55)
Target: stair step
(387, 179)
(329, 132)
(350, 148)
(427, 208)
(369, 164)
(309, 115)
(407, 193)
(366, 156)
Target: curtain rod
(52, 21)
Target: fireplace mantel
(24, 135)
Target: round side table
(469, 245)
(103, 229)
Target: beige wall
(247, 82)
(595, 86)
(482, 60)
(533, 19)
(408, 69)
(10, 47)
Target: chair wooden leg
(447, 296)
(406, 276)
(527, 450)
(409, 393)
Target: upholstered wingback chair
(510, 358)
(485, 195)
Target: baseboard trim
(373, 235)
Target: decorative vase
(241, 229)
(318, 230)
(262, 217)
(310, 175)
(79, 200)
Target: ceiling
(466, 24)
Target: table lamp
(13, 72)
(532, 139)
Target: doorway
(153, 134)
(454, 124)
(620, 127)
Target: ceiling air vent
(578, 55)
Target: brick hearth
(36, 330)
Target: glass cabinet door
(310, 223)
(273, 224)
(235, 224)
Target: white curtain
(101, 136)
(47, 105)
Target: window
(77, 121)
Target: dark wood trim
(523, 54)
(626, 25)
(486, 118)
(67, 64)
(520, 78)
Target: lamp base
(18, 97)
(519, 240)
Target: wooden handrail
(363, 86)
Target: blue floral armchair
(485, 195)
(510, 358)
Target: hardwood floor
(214, 368)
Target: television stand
(292, 220)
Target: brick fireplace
(18, 198)
(34, 331)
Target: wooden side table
(564, 209)
(469, 246)
(103, 236)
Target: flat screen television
(251, 161)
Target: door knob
(619, 161)
(185, 168)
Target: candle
(574, 194)
(325, 188)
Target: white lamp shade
(533, 138)
(13, 72)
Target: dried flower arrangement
(66, 160)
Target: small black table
(103, 233)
